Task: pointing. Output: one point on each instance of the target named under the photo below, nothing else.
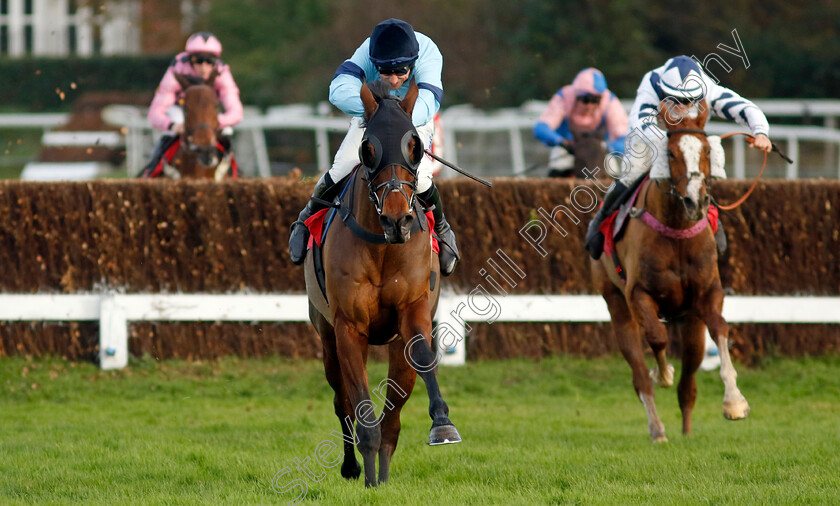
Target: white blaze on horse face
(691, 147)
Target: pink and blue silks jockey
(394, 53)
(201, 56)
(586, 106)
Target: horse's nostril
(387, 222)
(406, 222)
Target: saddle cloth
(169, 155)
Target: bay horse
(382, 288)
(588, 151)
(673, 276)
(198, 155)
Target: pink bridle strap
(684, 233)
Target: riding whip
(454, 167)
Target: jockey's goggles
(682, 100)
(197, 59)
(398, 71)
(589, 99)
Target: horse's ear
(368, 101)
(212, 77)
(410, 98)
(183, 80)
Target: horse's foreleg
(693, 337)
(645, 311)
(401, 378)
(350, 469)
(629, 342)
(351, 347)
(735, 406)
(416, 331)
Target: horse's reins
(763, 166)
(743, 198)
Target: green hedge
(35, 84)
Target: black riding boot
(299, 236)
(720, 238)
(594, 237)
(163, 144)
(449, 255)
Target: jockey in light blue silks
(683, 87)
(395, 53)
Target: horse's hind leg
(693, 338)
(350, 469)
(351, 346)
(401, 378)
(416, 330)
(735, 406)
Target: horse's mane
(381, 90)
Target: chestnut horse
(381, 288)
(675, 278)
(198, 155)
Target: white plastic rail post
(449, 353)
(113, 334)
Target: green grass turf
(563, 430)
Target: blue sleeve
(427, 74)
(548, 136)
(346, 85)
(617, 145)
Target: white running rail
(115, 311)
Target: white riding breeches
(347, 155)
(560, 159)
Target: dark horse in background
(199, 153)
(381, 289)
(673, 275)
(588, 150)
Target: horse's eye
(671, 154)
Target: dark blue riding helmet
(393, 44)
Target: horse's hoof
(737, 410)
(444, 434)
(352, 471)
(660, 439)
(665, 379)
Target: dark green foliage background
(495, 54)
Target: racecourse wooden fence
(133, 237)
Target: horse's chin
(695, 215)
(209, 161)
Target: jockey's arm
(617, 125)
(346, 84)
(165, 97)
(645, 110)
(550, 120)
(229, 97)
(427, 74)
(728, 105)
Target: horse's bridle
(672, 189)
(390, 156)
